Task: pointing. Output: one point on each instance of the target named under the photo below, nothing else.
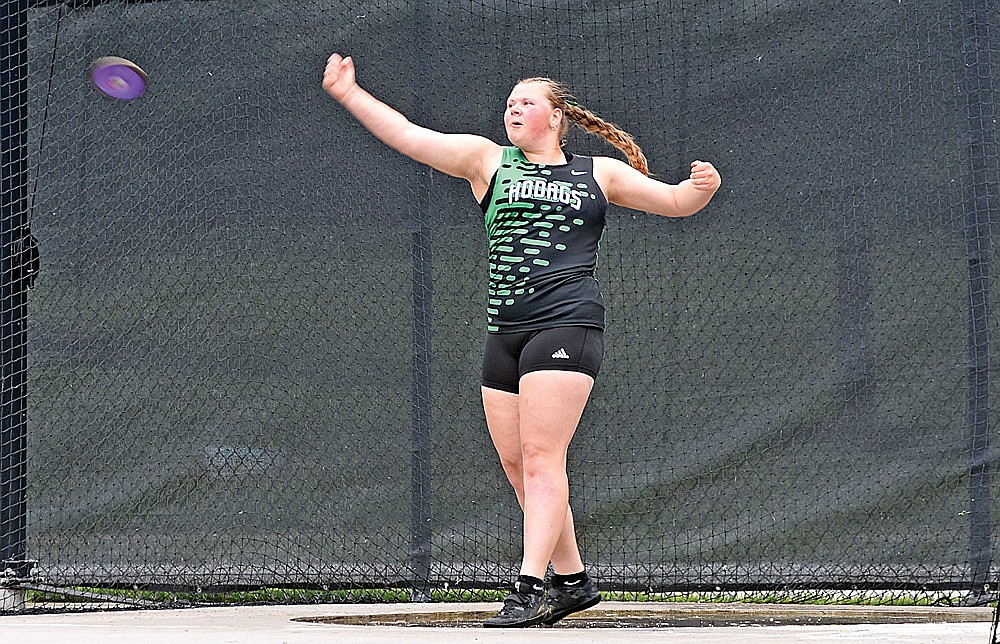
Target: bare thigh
(503, 422)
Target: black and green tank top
(544, 223)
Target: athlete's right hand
(338, 78)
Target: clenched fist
(338, 77)
(704, 176)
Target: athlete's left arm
(625, 186)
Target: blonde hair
(560, 97)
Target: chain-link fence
(251, 356)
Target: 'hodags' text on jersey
(546, 191)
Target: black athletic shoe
(520, 609)
(565, 600)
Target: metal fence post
(980, 204)
(420, 511)
(13, 220)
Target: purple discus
(118, 78)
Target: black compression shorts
(508, 356)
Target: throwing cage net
(249, 357)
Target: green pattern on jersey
(544, 223)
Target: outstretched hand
(704, 176)
(338, 77)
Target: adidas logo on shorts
(561, 353)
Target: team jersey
(543, 223)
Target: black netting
(252, 350)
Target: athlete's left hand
(704, 176)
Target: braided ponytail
(586, 120)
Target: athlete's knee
(546, 480)
(513, 468)
(540, 458)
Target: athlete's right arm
(460, 155)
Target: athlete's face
(530, 118)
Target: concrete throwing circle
(680, 616)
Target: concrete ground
(609, 622)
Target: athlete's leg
(502, 422)
(566, 558)
(550, 404)
(502, 419)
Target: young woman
(544, 210)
